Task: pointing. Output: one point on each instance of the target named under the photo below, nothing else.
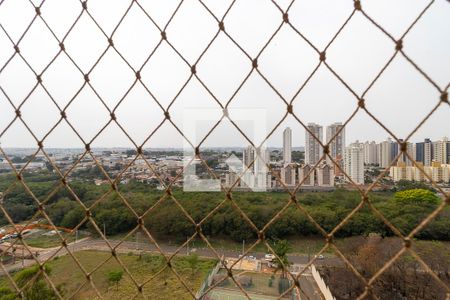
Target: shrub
(283, 285)
(417, 196)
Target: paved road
(307, 283)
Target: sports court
(225, 294)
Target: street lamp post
(137, 240)
(76, 240)
(187, 245)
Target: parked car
(319, 256)
(6, 237)
(269, 257)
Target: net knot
(255, 63)
(261, 235)
(329, 238)
(290, 108)
(294, 198)
(407, 242)
(361, 103)
(323, 57)
(403, 147)
(399, 45)
(444, 97)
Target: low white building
(437, 172)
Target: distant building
(441, 151)
(306, 175)
(336, 130)
(410, 152)
(424, 152)
(262, 158)
(321, 176)
(231, 178)
(287, 146)
(388, 151)
(256, 176)
(371, 150)
(337, 145)
(248, 157)
(313, 149)
(325, 175)
(288, 174)
(354, 162)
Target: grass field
(300, 245)
(44, 241)
(164, 286)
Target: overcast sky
(400, 98)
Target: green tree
(73, 217)
(7, 294)
(114, 277)
(38, 289)
(57, 211)
(281, 248)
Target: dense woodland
(405, 208)
(404, 279)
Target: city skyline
(294, 148)
(357, 55)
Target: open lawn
(164, 286)
(38, 240)
(300, 245)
